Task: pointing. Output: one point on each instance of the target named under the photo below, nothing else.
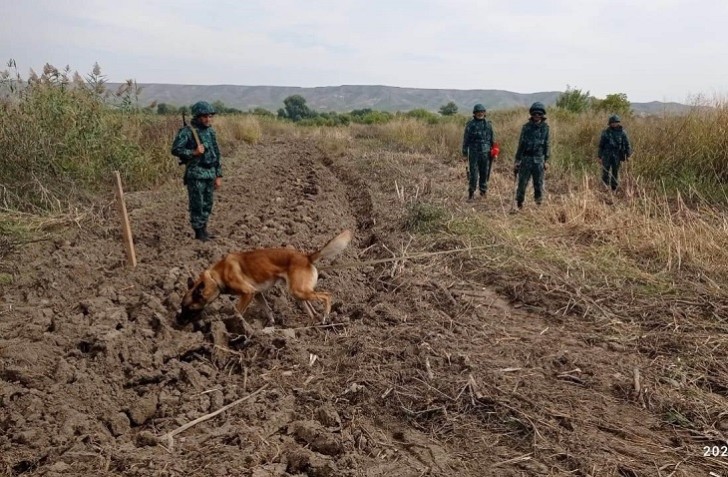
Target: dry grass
(333, 140)
(234, 129)
(646, 267)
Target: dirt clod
(143, 409)
(316, 436)
(329, 417)
(118, 423)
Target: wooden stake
(125, 226)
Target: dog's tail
(333, 247)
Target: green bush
(449, 109)
(371, 117)
(423, 115)
(574, 100)
(613, 104)
(62, 139)
(423, 217)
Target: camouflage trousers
(610, 172)
(530, 168)
(200, 194)
(479, 163)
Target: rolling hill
(349, 97)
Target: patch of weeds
(10, 234)
(467, 226)
(676, 418)
(13, 230)
(423, 217)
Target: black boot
(201, 235)
(208, 234)
(471, 196)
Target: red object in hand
(495, 150)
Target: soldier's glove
(516, 168)
(545, 165)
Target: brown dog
(248, 273)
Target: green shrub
(63, 138)
(423, 115)
(423, 217)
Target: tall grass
(688, 153)
(61, 140)
(232, 130)
(61, 143)
(63, 137)
(684, 155)
(680, 155)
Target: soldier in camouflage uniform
(533, 153)
(477, 142)
(614, 147)
(203, 172)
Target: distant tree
(295, 108)
(261, 112)
(423, 115)
(614, 104)
(450, 109)
(574, 100)
(219, 106)
(357, 113)
(326, 119)
(222, 108)
(369, 116)
(164, 108)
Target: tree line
(296, 110)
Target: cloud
(650, 50)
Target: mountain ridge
(345, 98)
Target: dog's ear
(207, 275)
(190, 283)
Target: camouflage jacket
(534, 141)
(614, 144)
(206, 166)
(478, 136)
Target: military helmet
(614, 119)
(478, 107)
(537, 107)
(202, 107)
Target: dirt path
(424, 372)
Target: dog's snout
(184, 316)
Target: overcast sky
(664, 50)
